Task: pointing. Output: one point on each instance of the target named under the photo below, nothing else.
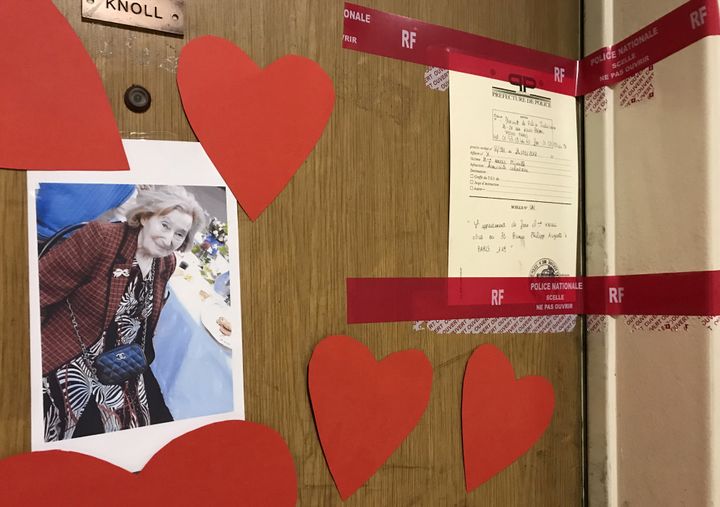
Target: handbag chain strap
(76, 327)
(85, 353)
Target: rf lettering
(496, 296)
(697, 18)
(408, 39)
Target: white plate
(211, 312)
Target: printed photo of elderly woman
(105, 301)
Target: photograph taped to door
(134, 304)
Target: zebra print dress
(75, 403)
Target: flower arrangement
(210, 244)
(218, 230)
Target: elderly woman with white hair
(101, 292)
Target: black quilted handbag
(120, 364)
(115, 366)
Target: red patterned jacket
(87, 269)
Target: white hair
(161, 200)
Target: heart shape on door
(364, 408)
(257, 125)
(226, 463)
(502, 417)
(54, 113)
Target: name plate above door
(159, 15)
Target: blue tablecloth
(193, 370)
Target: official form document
(513, 180)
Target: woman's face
(163, 234)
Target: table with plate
(192, 356)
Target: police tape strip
(409, 299)
(381, 33)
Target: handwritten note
(503, 237)
(522, 129)
(513, 180)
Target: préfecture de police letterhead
(513, 180)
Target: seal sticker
(437, 79)
(506, 325)
(596, 102)
(638, 88)
(545, 267)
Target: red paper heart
(501, 417)
(54, 113)
(226, 463)
(257, 125)
(363, 408)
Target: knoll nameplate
(160, 15)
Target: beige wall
(650, 210)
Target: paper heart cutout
(364, 408)
(54, 110)
(257, 125)
(226, 463)
(501, 417)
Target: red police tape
(399, 37)
(409, 299)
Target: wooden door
(371, 200)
